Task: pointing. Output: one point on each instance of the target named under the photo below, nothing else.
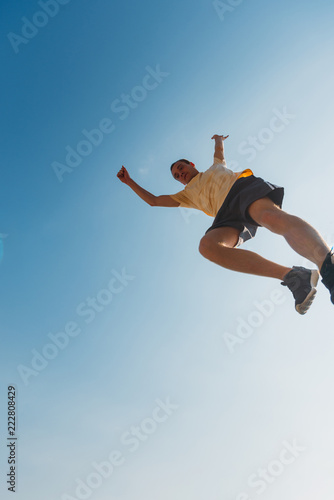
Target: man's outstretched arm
(219, 146)
(153, 201)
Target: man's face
(184, 172)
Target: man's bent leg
(302, 237)
(218, 246)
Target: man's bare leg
(218, 246)
(302, 237)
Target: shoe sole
(306, 304)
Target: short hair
(182, 159)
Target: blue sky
(161, 334)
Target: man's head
(183, 171)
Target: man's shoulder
(217, 165)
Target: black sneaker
(327, 273)
(302, 283)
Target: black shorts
(234, 210)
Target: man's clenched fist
(123, 175)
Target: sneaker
(327, 273)
(302, 283)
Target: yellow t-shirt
(208, 190)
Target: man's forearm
(142, 193)
(219, 148)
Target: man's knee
(205, 246)
(208, 246)
(222, 238)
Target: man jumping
(240, 203)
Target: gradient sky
(228, 69)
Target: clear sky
(113, 327)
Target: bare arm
(219, 146)
(151, 199)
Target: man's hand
(123, 175)
(154, 201)
(216, 136)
